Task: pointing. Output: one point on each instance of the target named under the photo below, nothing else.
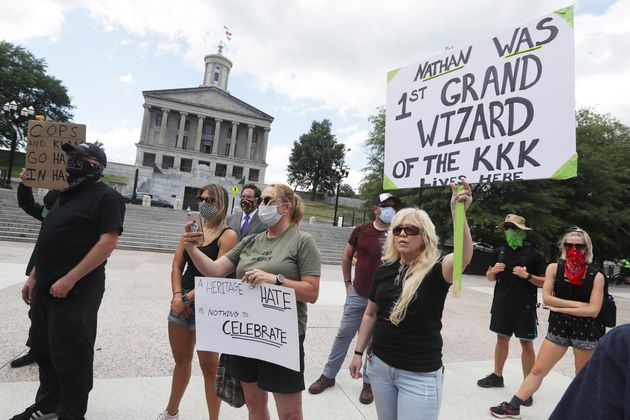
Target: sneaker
(321, 384)
(366, 396)
(165, 416)
(25, 360)
(491, 381)
(34, 413)
(528, 402)
(505, 411)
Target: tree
(372, 182)
(100, 144)
(345, 190)
(312, 158)
(22, 73)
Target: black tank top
(211, 250)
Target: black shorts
(523, 324)
(269, 376)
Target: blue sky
(298, 61)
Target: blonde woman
(217, 240)
(283, 256)
(574, 296)
(403, 317)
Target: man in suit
(247, 222)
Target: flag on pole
(228, 33)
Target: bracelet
(348, 281)
(358, 353)
(181, 292)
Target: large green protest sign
(501, 109)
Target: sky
(298, 61)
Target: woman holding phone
(283, 256)
(213, 241)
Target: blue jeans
(402, 394)
(350, 322)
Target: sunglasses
(410, 230)
(579, 247)
(208, 200)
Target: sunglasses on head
(579, 247)
(410, 230)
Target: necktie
(245, 224)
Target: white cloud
(353, 139)
(27, 19)
(277, 159)
(119, 142)
(127, 79)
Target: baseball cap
(383, 197)
(88, 150)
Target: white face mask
(387, 214)
(268, 214)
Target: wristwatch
(279, 279)
(529, 276)
(185, 299)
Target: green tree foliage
(596, 200)
(22, 73)
(345, 190)
(312, 157)
(372, 183)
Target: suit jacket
(255, 225)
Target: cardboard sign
(45, 161)
(501, 109)
(259, 322)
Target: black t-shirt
(416, 343)
(211, 250)
(73, 226)
(512, 292)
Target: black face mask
(81, 170)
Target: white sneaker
(165, 416)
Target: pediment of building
(212, 99)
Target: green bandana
(515, 238)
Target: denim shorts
(189, 322)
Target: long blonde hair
(286, 193)
(421, 264)
(221, 203)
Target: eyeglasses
(579, 247)
(410, 230)
(267, 200)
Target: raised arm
(206, 266)
(447, 263)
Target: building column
(165, 112)
(248, 149)
(234, 138)
(180, 135)
(263, 149)
(146, 121)
(215, 141)
(200, 119)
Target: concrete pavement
(133, 361)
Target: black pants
(63, 335)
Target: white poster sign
(501, 109)
(259, 322)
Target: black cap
(383, 197)
(88, 150)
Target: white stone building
(194, 136)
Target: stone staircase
(153, 229)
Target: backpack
(360, 229)
(608, 313)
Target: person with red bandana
(573, 292)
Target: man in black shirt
(79, 233)
(518, 269)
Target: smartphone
(195, 218)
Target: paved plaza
(133, 361)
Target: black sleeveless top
(211, 250)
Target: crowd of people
(394, 300)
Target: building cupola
(217, 70)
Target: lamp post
(341, 172)
(10, 112)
